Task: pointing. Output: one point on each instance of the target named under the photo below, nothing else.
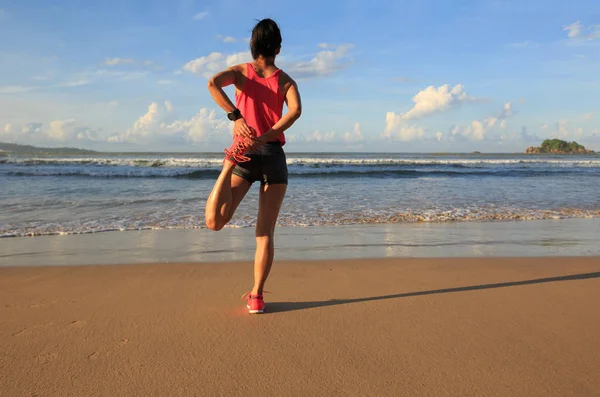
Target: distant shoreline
(7, 149)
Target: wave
(291, 220)
(303, 173)
(99, 173)
(217, 161)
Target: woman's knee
(214, 223)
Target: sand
(379, 327)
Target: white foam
(216, 161)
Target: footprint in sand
(77, 324)
(45, 303)
(46, 358)
(104, 351)
(30, 330)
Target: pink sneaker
(239, 148)
(255, 303)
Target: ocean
(81, 194)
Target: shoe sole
(255, 311)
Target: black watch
(236, 114)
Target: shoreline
(400, 219)
(564, 237)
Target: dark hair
(266, 39)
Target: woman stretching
(257, 153)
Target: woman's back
(260, 99)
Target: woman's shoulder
(240, 68)
(283, 76)
(285, 80)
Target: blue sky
(427, 76)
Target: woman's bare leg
(269, 203)
(226, 195)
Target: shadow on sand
(279, 307)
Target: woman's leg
(226, 195)
(269, 203)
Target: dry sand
(381, 327)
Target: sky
(379, 75)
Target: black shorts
(267, 165)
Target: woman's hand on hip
(242, 129)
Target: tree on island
(558, 146)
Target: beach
(397, 327)
(395, 275)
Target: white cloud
(117, 61)
(159, 125)
(479, 130)
(322, 64)
(74, 83)
(61, 130)
(396, 129)
(226, 39)
(588, 116)
(577, 30)
(57, 131)
(318, 136)
(433, 100)
(354, 136)
(562, 128)
(507, 111)
(574, 30)
(16, 89)
(200, 16)
(595, 33)
(78, 80)
(439, 136)
(112, 104)
(325, 62)
(214, 62)
(41, 77)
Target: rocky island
(557, 146)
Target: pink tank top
(261, 101)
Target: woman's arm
(233, 75)
(294, 104)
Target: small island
(557, 146)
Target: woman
(257, 153)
